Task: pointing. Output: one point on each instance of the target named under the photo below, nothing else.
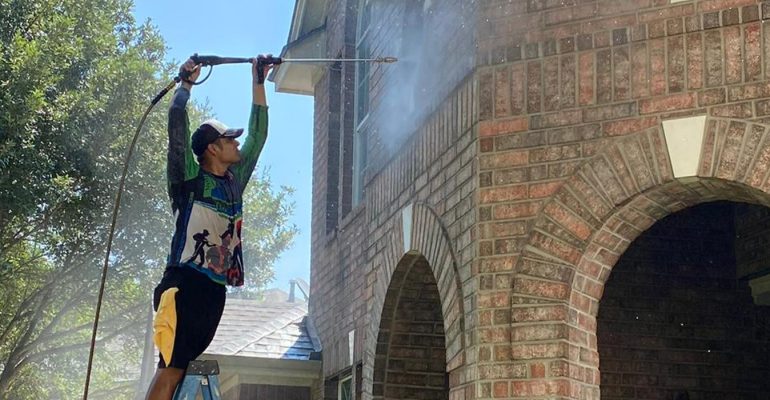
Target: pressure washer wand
(216, 60)
(386, 60)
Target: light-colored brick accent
(406, 223)
(684, 140)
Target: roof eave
(307, 39)
(237, 370)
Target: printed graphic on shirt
(214, 243)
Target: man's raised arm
(257, 136)
(181, 163)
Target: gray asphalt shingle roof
(250, 328)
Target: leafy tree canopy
(75, 76)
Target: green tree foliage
(75, 76)
(266, 232)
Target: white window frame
(359, 135)
(362, 34)
(342, 382)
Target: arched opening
(591, 221)
(410, 360)
(677, 319)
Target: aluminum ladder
(200, 377)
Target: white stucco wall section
(684, 139)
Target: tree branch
(42, 341)
(75, 346)
(21, 235)
(114, 391)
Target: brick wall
(674, 318)
(537, 166)
(571, 99)
(330, 117)
(435, 46)
(751, 251)
(434, 164)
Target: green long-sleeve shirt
(208, 208)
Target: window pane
(366, 15)
(346, 392)
(362, 92)
(359, 166)
(361, 101)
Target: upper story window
(361, 100)
(403, 100)
(411, 73)
(362, 69)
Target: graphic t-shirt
(208, 208)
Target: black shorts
(197, 308)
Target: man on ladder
(206, 196)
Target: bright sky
(245, 28)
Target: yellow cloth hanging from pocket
(164, 325)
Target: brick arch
(410, 359)
(586, 226)
(428, 240)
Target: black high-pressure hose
(119, 194)
(116, 207)
(183, 75)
